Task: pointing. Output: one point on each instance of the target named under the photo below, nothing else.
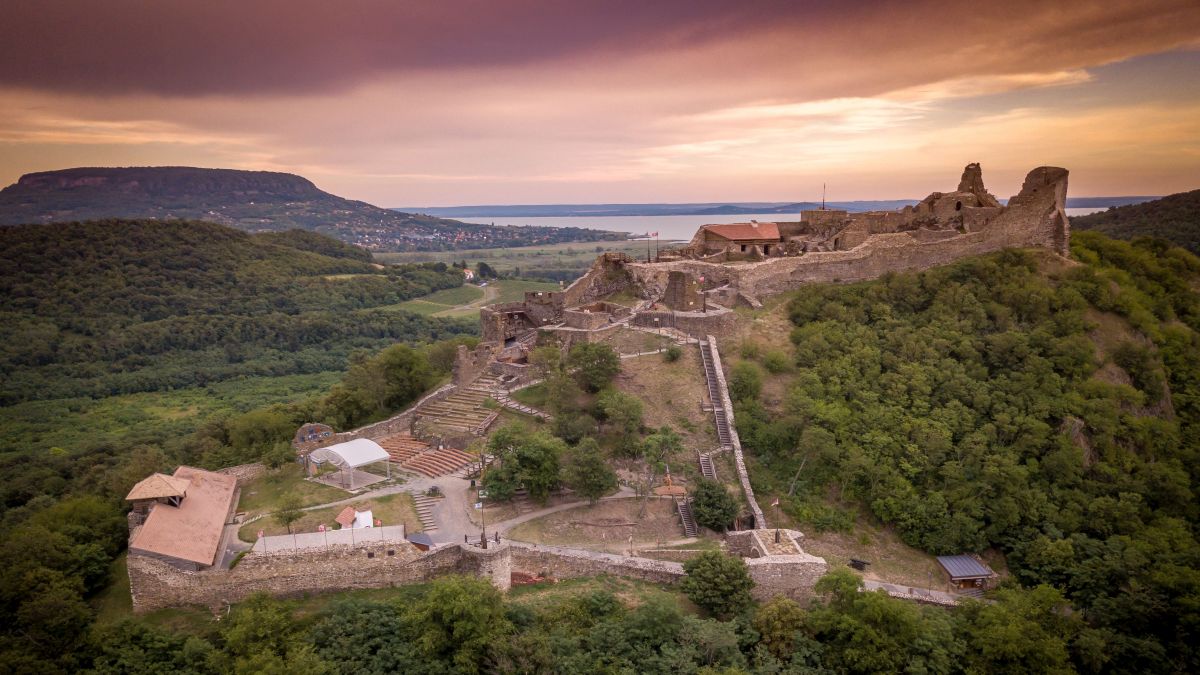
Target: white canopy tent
(350, 455)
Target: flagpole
(647, 245)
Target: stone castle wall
(244, 473)
(400, 423)
(871, 247)
(155, 584)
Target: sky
(455, 102)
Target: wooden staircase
(714, 394)
(684, 507)
(707, 469)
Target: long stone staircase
(714, 395)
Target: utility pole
(822, 196)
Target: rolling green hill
(1175, 218)
(119, 307)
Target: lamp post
(658, 329)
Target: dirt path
(490, 293)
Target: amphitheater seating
(462, 411)
(418, 456)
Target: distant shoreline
(505, 211)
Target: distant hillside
(1175, 218)
(250, 200)
(118, 306)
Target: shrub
(745, 381)
(776, 361)
(718, 583)
(713, 506)
(672, 354)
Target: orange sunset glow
(407, 103)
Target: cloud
(458, 102)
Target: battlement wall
(155, 584)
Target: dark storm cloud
(228, 46)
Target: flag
(653, 234)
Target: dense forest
(1049, 411)
(115, 307)
(1175, 218)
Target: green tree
(745, 381)
(458, 621)
(712, 505)
(546, 361)
(622, 413)
(529, 460)
(718, 583)
(777, 623)
(595, 364)
(289, 511)
(586, 472)
(260, 429)
(672, 354)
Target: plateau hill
(250, 200)
(1175, 218)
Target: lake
(668, 227)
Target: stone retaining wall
(568, 563)
(244, 472)
(155, 584)
(400, 423)
(760, 520)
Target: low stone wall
(568, 563)
(400, 423)
(717, 320)
(155, 585)
(244, 472)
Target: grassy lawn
(603, 526)
(534, 396)
(671, 394)
(391, 509)
(631, 592)
(266, 493)
(466, 300)
(455, 296)
(513, 290)
(577, 256)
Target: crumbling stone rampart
(155, 584)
